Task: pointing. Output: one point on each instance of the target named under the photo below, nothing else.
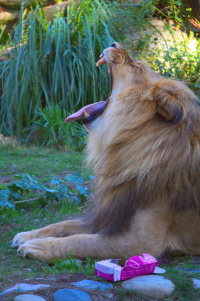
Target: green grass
(70, 265)
(13, 267)
(125, 295)
(44, 163)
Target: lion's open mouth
(90, 112)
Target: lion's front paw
(21, 238)
(30, 248)
(36, 248)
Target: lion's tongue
(89, 109)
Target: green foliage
(50, 130)
(180, 59)
(4, 199)
(183, 282)
(28, 189)
(175, 10)
(183, 63)
(69, 264)
(172, 55)
(4, 37)
(54, 64)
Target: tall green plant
(50, 130)
(55, 63)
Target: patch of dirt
(4, 179)
(4, 228)
(58, 282)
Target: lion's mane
(146, 149)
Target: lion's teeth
(85, 114)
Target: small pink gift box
(135, 266)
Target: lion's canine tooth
(85, 114)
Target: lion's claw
(33, 249)
(25, 249)
(21, 238)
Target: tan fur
(146, 150)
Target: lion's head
(145, 142)
(125, 72)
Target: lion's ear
(170, 113)
(167, 95)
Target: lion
(144, 143)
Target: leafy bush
(27, 189)
(171, 54)
(49, 129)
(177, 58)
(55, 63)
(176, 10)
(181, 60)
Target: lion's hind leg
(62, 229)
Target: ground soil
(56, 283)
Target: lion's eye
(114, 45)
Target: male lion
(145, 143)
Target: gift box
(135, 266)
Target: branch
(30, 200)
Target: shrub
(181, 61)
(176, 56)
(27, 189)
(49, 129)
(55, 63)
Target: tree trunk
(3, 58)
(16, 3)
(51, 11)
(8, 16)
